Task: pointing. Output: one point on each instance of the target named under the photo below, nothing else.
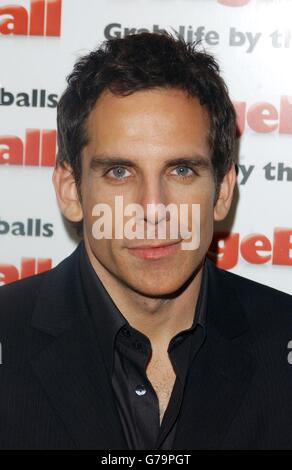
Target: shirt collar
(108, 319)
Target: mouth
(155, 251)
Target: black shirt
(126, 351)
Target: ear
(66, 192)
(224, 199)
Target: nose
(153, 201)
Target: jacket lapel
(71, 368)
(221, 372)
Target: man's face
(149, 129)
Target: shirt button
(140, 390)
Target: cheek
(207, 214)
(207, 226)
(203, 196)
(93, 195)
(205, 218)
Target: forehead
(154, 119)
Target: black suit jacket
(55, 392)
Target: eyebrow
(106, 161)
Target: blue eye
(184, 174)
(117, 172)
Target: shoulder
(17, 338)
(262, 304)
(261, 292)
(18, 299)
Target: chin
(156, 288)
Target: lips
(160, 245)
(155, 251)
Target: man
(136, 343)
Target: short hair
(139, 62)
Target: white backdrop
(252, 40)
